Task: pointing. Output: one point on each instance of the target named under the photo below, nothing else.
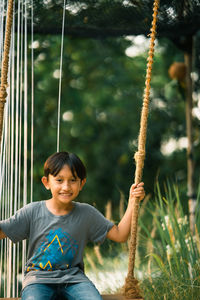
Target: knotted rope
(5, 63)
(131, 288)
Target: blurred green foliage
(102, 91)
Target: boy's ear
(45, 182)
(83, 182)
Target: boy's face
(64, 186)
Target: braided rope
(5, 63)
(131, 288)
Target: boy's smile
(64, 188)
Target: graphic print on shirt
(57, 252)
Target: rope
(131, 288)
(2, 4)
(32, 102)
(25, 124)
(12, 127)
(17, 178)
(60, 76)
(5, 62)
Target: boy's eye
(73, 180)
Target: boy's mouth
(65, 194)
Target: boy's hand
(119, 233)
(2, 235)
(137, 191)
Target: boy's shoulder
(86, 207)
(82, 204)
(33, 206)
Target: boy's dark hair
(56, 161)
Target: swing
(131, 288)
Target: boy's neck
(59, 210)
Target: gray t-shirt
(56, 243)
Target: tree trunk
(190, 150)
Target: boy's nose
(66, 185)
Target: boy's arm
(119, 233)
(2, 235)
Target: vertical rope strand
(131, 288)
(12, 154)
(2, 5)
(2, 195)
(32, 102)
(60, 77)
(5, 62)
(7, 75)
(20, 268)
(11, 157)
(25, 106)
(7, 191)
(8, 164)
(25, 126)
(17, 138)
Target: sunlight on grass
(108, 281)
(110, 277)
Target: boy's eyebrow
(61, 176)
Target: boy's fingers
(138, 184)
(137, 190)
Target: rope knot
(131, 288)
(3, 94)
(139, 155)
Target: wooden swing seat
(117, 297)
(105, 297)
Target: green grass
(168, 257)
(174, 259)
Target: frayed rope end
(131, 288)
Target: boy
(58, 230)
